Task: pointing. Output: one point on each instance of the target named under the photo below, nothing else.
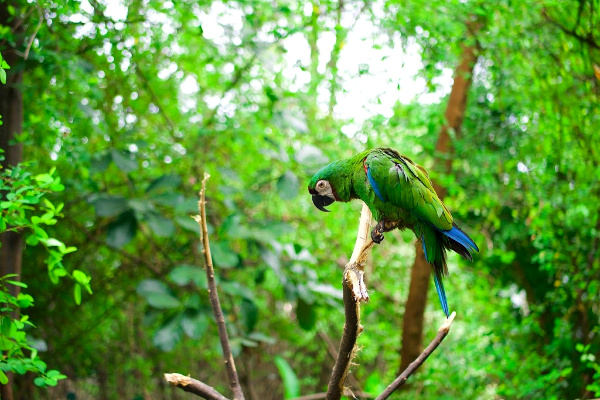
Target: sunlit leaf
(291, 384)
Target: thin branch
(322, 395)
(355, 291)
(234, 381)
(589, 39)
(37, 28)
(194, 386)
(169, 123)
(401, 379)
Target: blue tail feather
(439, 286)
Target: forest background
(112, 110)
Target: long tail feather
(438, 264)
(439, 286)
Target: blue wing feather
(374, 185)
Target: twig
(589, 39)
(401, 379)
(234, 381)
(319, 396)
(355, 291)
(194, 386)
(37, 28)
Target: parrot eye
(321, 185)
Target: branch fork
(355, 292)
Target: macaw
(400, 195)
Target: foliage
(130, 103)
(27, 211)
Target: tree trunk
(413, 322)
(11, 110)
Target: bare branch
(355, 291)
(184, 382)
(194, 386)
(401, 379)
(234, 381)
(33, 35)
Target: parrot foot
(376, 235)
(380, 228)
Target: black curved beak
(322, 201)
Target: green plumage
(398, 192)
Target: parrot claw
(380, 228)
(376, 235)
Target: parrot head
(324, 186)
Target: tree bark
(413, 321)
(11, 110)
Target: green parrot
(400, 195)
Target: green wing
(398, 180)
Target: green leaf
(288, 185)
(77, 294)
(3, 378)
(40, 381)
(168, 335)
(223, 256)
(187, 223)
(236, 289)
(306, 314)
(6, 328)
(100, 162)
(53, 373)
(185, 274)
(249, 313)
(291, 384)
(165, 182)
(195, 325)
(32, 240)
(80, 277)
(17, 283)
(51, 242)
(160, 225)
(157, 294)
(121, 231)
(51, 382)
(24, 300)
(261, 337)
(3, 76)
(109, 206)
(123, 160)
